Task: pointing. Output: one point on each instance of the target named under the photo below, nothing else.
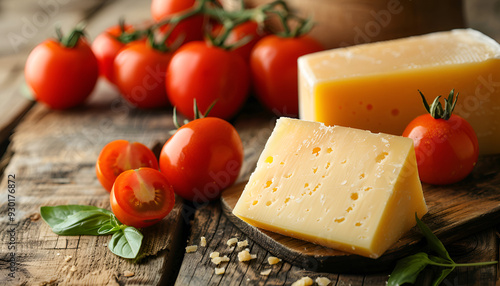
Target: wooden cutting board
(455, 211)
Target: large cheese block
(375, 86)
(340, 187)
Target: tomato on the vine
(119, 156)
(139, 74)
(62, 73)
(202, 158)
(141, 197)
(273, 64)
(446, 145)
(187, 30)
(243, 36)
(207, 73)
(107, 45)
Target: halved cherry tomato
(207, 73)
(273, 64)
(139, 74)
(62, 73)
(202, 158)
(141, 197)
(119, 156)
(446, 148)
(106, 46)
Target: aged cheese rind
(375, 86)
(340, 187)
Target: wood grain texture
(455, 211)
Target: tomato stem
(72, 39)
(436, 109)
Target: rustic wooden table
(52, 156)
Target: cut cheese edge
(375, 86)
(340, 187)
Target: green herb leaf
(82, 223)
(434, 243)
(408, 268)
(126, 243)
(54, 215)
(443, 275)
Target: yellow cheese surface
(375, 86)
(340, 187)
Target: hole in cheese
(275, 189)
(269, 159)
(316, 151)
(339, 220)
(255, 202)
(381, 157)
(362, 176)
(268, 203)
(315, 170)
(329, 150)
(354, 196)
(268, 184)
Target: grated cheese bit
(273, 260)
(304, 281)
(191, 248)
(220, 271)
(322, 281)
(232, 241)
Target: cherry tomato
(446, 149)
(106, 46)
(119, 156)
(273, 64)
(139, 74)
(141, 197)
(207, 73)
(202, 158)
(190, 29)
(62, 75)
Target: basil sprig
(90, 220)
(407, 269)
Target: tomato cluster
(193, 49)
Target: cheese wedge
(375, 86)
(340, 187)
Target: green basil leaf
(82, 223)
(126, 243)
(54, 215)
(408, 268)
(434, 243)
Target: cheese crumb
(127, 273)
(246, 256)
(273, 260)
(203, 241)
(266, 272)
(218, 260)
(304, 281)
(191, 248)
(220, 271)
(67, 258)
(232, 241)
(214, 254)
(243, 243)
(323, 281)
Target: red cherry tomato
(106, 46)
(141, 197)
(446, 150)
(273, 64)
(202, 158)
(207, 73)
(119, 156)
(139, 74)
(190, 29)
(61, 77)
